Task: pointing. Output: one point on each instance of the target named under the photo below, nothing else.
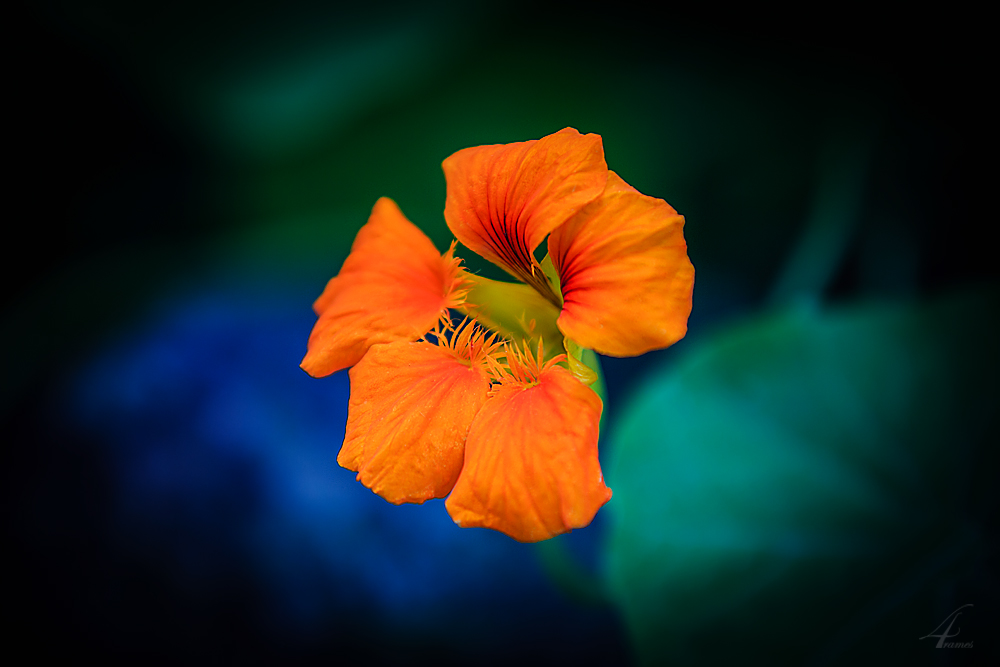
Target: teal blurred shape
(310, 94)
(809, 487)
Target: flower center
(510, 244)
(523, 368)
(468, 342)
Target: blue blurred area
(223, 470)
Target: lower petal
(409, 414)
(531, 468)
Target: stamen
(522, 366)
(470, 342)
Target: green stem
(834, 217)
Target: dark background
(187, 177)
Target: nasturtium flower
(497, 413)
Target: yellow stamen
(469, 342)
(522, 367)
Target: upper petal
(393, 286)
(504, 199)
(531, 467)
(626, 278)
(409, 414)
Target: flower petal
(393, 286)
(625, 275)
(531, 467)
(410, 410)
(504, 199)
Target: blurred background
(807, 478)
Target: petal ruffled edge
(502, 200)
(393, 286)
(626, 279)
(531, 468)
(410, 411)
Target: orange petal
(531, 468)
(393, 286)
(626, 277)
(410, 410)
(504, 199)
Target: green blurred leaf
(796, 488)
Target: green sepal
(515, 311)
(575, 356)
(549, 269)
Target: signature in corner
(943, 636)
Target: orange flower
(510, 437)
